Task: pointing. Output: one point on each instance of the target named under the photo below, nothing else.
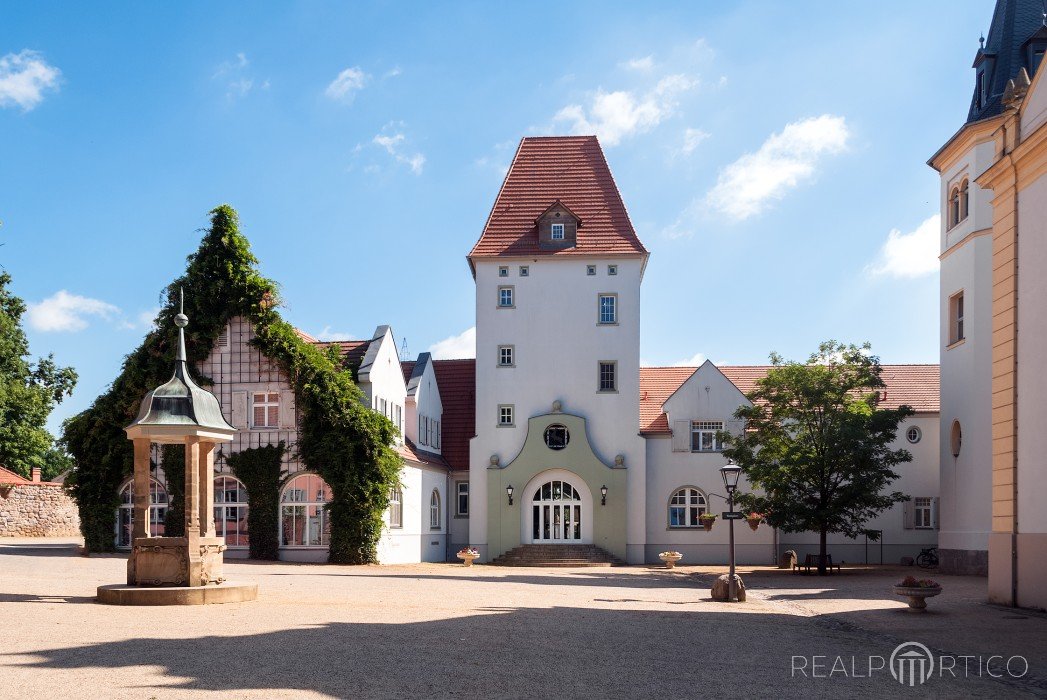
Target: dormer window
(557, 232)
(980, 97)
(557, 227)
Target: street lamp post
(730, 473)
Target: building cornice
(968, 136)
(963, 241)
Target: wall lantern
(509, 493)
(603, 495)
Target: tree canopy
(339, 437)
(29, 392)
(817, 448)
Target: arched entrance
(557, 509)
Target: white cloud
(640, 64)
(692, 138)
(347, 84)
(394, 144)
(329, 334)
(457, 347)
(747, 186)
(909, 255)
(694, 360)
(392, 73)
(238, 82)
(65, 312)
(614, 116)
(24, 77)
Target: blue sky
(766, 152)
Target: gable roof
(10, 478)
(568, 169)
(352, 351)
(414, 377)
(912, 385)
(456, 380)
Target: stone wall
(37, 510)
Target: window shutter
(681, 436)
(287, 409)
(240, 409)
(934, 512)
(908, 515)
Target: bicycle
(927, 558)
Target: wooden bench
(811, 561)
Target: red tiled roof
(407, 367)
(912, 385)
(457, 382)
(571, 169)
(410, 451)
(10, 478)
(352, 351)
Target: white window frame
(613, 389)
(706, 428)
(506, 292)
(461, 490)
(923, 513)
(506, 352)
(956, 313)
(690, 503)
(396, 508)
(600, 317)
(506, 415)
(558, 232)
(434, 511)
(291, 498)
(238, 508)
(913, 434)
(270, 408)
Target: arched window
(125, 514)
(230, 510)
(686, 505)
(434, 510)
(956, 438)
(954, 207)
(964, 194)
(396, 508)
(303, 522)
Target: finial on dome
(181, 320)
(981, 41)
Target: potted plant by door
(754, 520)
(917, 591)
(707, 520)
(670, 558)
(468, 554)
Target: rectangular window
(421, 430)
(505, 356)
(922, 513)
(557, 233)
(608, 376)
(503, 271)
(612, 269)
(590, 270)
(524, 271)
(608, 308)
(956, 318)
(399, 418)
(505, 297)
(703, 435)
(396, 508)
(383, 405)
(223, 339)
(505, 414)
(266, 410)
(462, 498)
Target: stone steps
(557, 555)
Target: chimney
(36, 475)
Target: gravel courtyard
(439, 630)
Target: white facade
(553, 327)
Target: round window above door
(557, 436)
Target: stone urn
(917, 596)
(468, 557)
(670, 558)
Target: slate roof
(913, 385)
(571, 169)
(1013, 22)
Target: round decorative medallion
(557, 437)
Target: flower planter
(670, 559)
(754, 523)
(708, 524)
(917, 596)
(467, 557)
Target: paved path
(436, 630)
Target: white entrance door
(556, 513)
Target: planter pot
(467, 559)
(917, 596)
(754, 525)
(708, 524)
(670, 561)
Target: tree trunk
(821, 552)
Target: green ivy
(259, 470)
(173, 460)
(339, 437)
